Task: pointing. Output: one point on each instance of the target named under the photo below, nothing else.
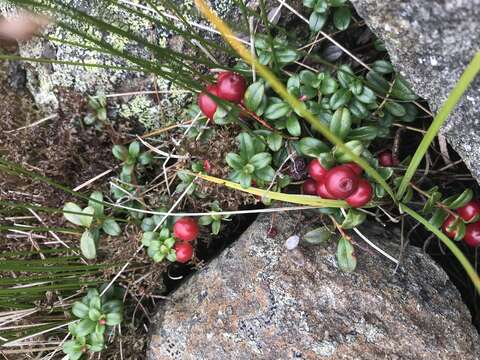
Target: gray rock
(258, 300)
(431, 43)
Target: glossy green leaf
(346, 259)
(277, 110)
(85, 327)
(353, 219)
(261, 160)
(120, 152)
(88, 246)
(274, 141)
(341, 123)
(312, 147)
(73, 218)
(111, 227)
(317, 20)
(254, 95)
(96, 202)
(340, 98)
(363, 133)
(318, 235)
(342, 17)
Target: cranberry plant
(96, 314)
(93, 220)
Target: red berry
(323, 192)
(310, 187)
(102, 321)
(470, 211)
(185, 229)
(184, 252)
(355, 167)
(316, 171)
(385, 158)
(206, 103)
(445, 227)
(341, 181)
(206, 166)
(472, 234)
(222, 75)
(362, 195)
(231, 87)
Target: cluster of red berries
(340, 182)
(186, 230)
(470, 213)
(230, 87)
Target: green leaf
(245, 180)
(354, 145)
(87, 218)
(134, 149)
(261, 160)
(254, 95)
(85, 327)
(277, 110)
(87, 245)
(461, 200)
(266, 174)
(111, 227)
(321, 6)
(80, 310)
(382, 67)
(377, 82)
(318, 235)
(293, 125)
(353, 219)
(205, 220)
(317, 21)
(120, 152)
(363, 133)
(329, 85)
(345, 76)
(402, 91)
(454, 97)
(340, 98)
(395, 109)
(73, 218)
(94, 314)
(216, 227)
(342, 17)
(114, 319)
(341, 123)
(234, 161)
(96, 199)
(346, 259)
(145, 158)
(309, 3)
(312, 147)
(286, 56)
(358, 109)
(247, 149)
(308, 77)
(367, 96)
(274, 141)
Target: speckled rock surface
(43, 80)
(431, 43)
(258, 300)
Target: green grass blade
(290, 198)
(472, 274)
(72, 63)
(292, 100)
(467, 77)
